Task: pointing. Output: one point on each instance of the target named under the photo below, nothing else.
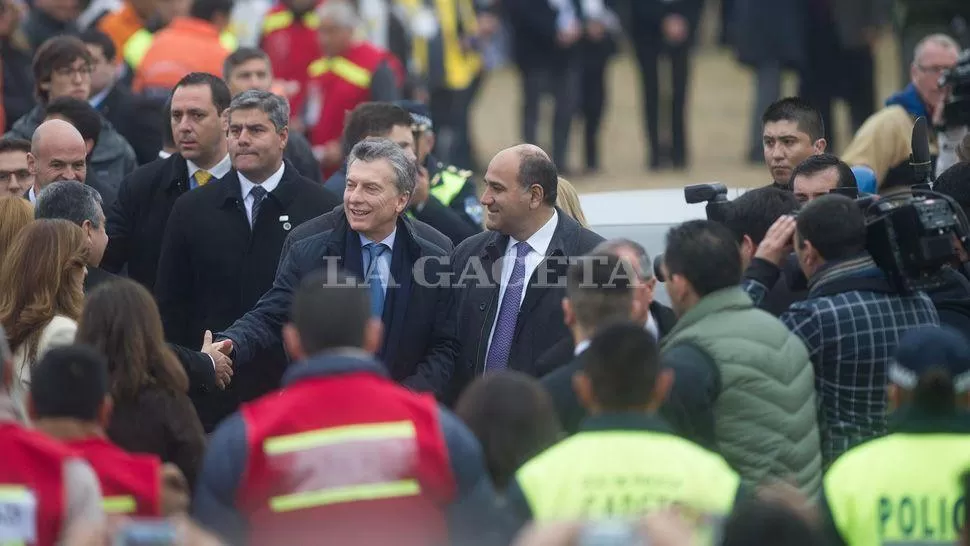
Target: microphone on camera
(920, 160)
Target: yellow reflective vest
(141, 41)
(461, 65)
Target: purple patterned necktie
(508, 313)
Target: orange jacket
(120, 26)
(185, 45)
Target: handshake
(219, 352)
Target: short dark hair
(815, 164)
(955, 182)
(221, 97)
(69, 381)
(69, 200)
(536, 168)
(208, 9)
(757, 521)
(600, 289)
(798, 110)
(78, 113)
(10, 144)
(312, 311)
(240, 56)
(95, 37)
(754, 211)
(622, 363)
(705, 253)
(834, 225)
(54, 54)
(372, 119)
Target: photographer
(851, 320)
(882, 144)
(952, 298)
(749, 217)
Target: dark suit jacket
(540, 323)
(137, 119)
(445, 219)
(136, 221)
(96, 277)
(534, 34)
(563, 364)
(213, 269)
(300, 154)
(419, 346)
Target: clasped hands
(219, 351)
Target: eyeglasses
(21, 174)
(933, 69)
(68, 71)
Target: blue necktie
(374, 278)
(258, 193)
(508, 313)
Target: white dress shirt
(247, 189)
(32, 196)
(220, 169)
(580, 347)
(539, 243)
(384, 265)
(652, 326)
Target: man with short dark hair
(15, 173)
(515, 314)
(743, 382)
(248, 68)
(80, 204)
(819, 175)
(423, 479)
(792, 130)
(62, 68)
(623, 450)
(70, 400)
(851, 321)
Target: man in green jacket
(744, 384)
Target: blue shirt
(384, 267)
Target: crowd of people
(254, 295)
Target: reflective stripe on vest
(121, 504)
(140, 42)
(330, 437)
(342, 68)
(282, 19)
(900, 489)
(451, 185)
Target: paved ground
(719, 104)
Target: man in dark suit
(136, 221)
(222, 243)
(406, 273)
(589, 307)
(249, 68)
(510, 320)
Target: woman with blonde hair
(41, 290)
(152, 412)
(15, 213)
(567, 199)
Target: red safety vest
(291, 43)
(325, 468)
(342, 83)
(31, 485)
(130, 483)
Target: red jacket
(322, 463)
(32, 478)
(341, 83)
(130, 483)
(291, 43)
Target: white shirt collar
(164, 155)
(389, 240)
(580, 347)
(269, 184)
(220, 170)
(32, 195)
(541, 239)
(652, 326)
(96, 100)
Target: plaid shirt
(851, 337)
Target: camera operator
(952, 119)
(749, 217)
(952, 298)
(851, 320)
(819, 175)
(882, 146)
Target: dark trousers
(668, 143)
(595, 57)
(561, 80)
(451, 111)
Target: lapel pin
(286, 222)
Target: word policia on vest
(912, 519)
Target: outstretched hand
(219, 351)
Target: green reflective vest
(617, 473)
(902, 489)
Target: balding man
(509, 321)
(57, 152)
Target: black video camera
(715, 195)
(956, 112)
